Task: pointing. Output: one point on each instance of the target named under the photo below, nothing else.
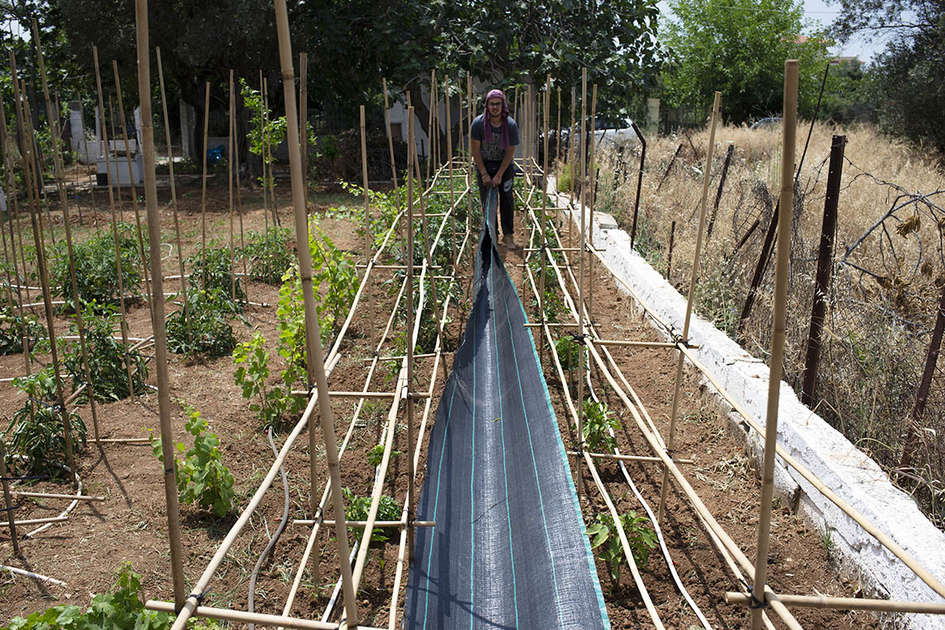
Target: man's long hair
(487, 131)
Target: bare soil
(131, 524)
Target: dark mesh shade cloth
(509, 548)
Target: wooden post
(236, 165)
(390, 138)
(303, 117)
(669, 167)
(203, 188)
(368, 234)
(430, 121)
(570, 160)
(131, 181)
(470, 172)
(67, 223)
(669, 255)
(558, 132)
(32, 187)
(262, 151)
(778, 334)
(718, 194)
(543, 251)
(636, 200)
(7, 499)
(580, 305)
(449, 166)
(411, 151)
(170, 167)
(315, 367)
(157, 302)
(824, 269)
(593, 194)
(693, 280)
(231, 111)
(111, 204)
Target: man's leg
(507, 205)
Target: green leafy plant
(376, 454)
(387, 510)
(95, 268)
(252, 375)
(201, 476)
(597, 424)
(268, 254)
(202, 327)
(15, 328)
(106, 357)
(213, 269)
(568, 350)
(121, 609)
(603, 535)
(35, 443)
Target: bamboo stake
(592, 191)
(36, 222)
(111, 119)
(412, 158)
(131, 181)
(558, 132)
(262, 152)
(239, 198)
(430, 121)
(778, 333)
(544, 213)
(229, 180)
(368, 235)
(271, 179)
(7, 500)
(315, 361)
(19, 229)
(570, 160)
(470, 172)
(449, 159)
(844, 603)
(303, 117)
(203, 188)
(111, 204)
(390, 138)
(157, 302)
(170, 166)
(581, 257)
(693, 280)
(64, 203)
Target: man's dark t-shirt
(492, 150)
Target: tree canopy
(738, 47)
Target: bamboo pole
(303, 118)
(64, 203)
(368, 234)
(19, 132)
(558, 132)
(32, 187)
(544, 212)
(449, 159)
(229, 180)
(570, 160)
(262, 151)
(203, 187)
(693, 280)
(470, 173)
(581, 257)
(845, 603)
(430, 121)
(315, 361)
(7, 500)
(54, 495)
(236, 183)
(592, 191)
(412, 158)
(157, 303)
(778, 333)
(111, 204)
(131, 181)
(390, 138)
(170, 167)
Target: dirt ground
(131, 524)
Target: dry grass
(887, 278)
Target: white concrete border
(806, 436)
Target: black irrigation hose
(276, 534)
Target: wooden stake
(262, 152)
(449, 159)
(558, 132)
(430, 121)
(412, 158)
(157, 302)
(7, 500)
(170, 167)
(64, 204)
(583, 246)
(693, 280)
(229, 180)
(777, 336)
(303, 117)
(592, 191)
(111, 204)
(315, 361)
(203, 188)
(131, 181)
(368, 234)
(390, 138)
(544, 214)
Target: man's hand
(487, 181)
(496, 180)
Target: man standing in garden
(494, 138)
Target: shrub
(201, 476)
(252, 374)
(268, 254)
(35, 442)
(106, 356)
(122, 608)
(95, 267)
(568, 352)
(202, 327)
(598, 422)
(387, 510)
(14, 328)
(604, 535)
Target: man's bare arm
(475, 147)
(506, 160)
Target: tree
(738, 47)
(906, 79)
